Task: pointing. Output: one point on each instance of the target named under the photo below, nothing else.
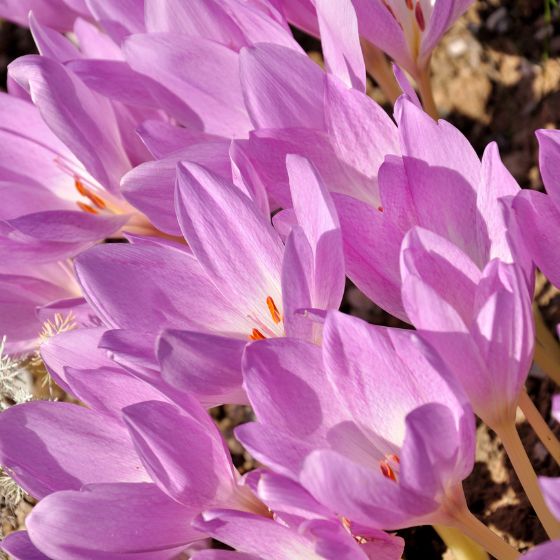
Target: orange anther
(87, 208)
(394, 458)
(97, 200)
(409, 4)
(80, 186)
(275, 314)
(420, 17)
(387, 471)
(256, 335)
(84, 191)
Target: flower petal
(234, 243)
(340, 40)
(83, 120)
(115, 521)
(184, 458)
(281, 88)
(147, 289)
(207, 366)
(50, 446)
(19, 546)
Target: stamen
(409, 4)
(387, 471)
(380, 209)
(275, 314)
(81, 188)
(97, 200)
(86, 208)
(256, 335)
(420, 17)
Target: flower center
(263, 331)
(411, 16)
(96, 202)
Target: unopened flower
(480, 322)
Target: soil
(496, 75)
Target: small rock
(498, 20)
(457, 47)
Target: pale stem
(468, 524)
(423, 79)
(539, 425)
(380, 70)
(526, 474)
(462, 547)
(547, 350)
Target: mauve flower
(480, 321)
(61, 178)
(239, 283)
(439, 184)
(51, 205)
(407, 30)
(538, 215)
(372, 425)
(125, 475)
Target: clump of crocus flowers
(242, 184)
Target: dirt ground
(496, 76)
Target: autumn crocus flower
(53, 207)
(133, 460)
(538, 214)
(408, 30)
(372, 425)
(439, 184)
(240, 282)
(385, 178)
(481, 323)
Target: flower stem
(468, 524)
(424, 82)
(462, 547)
(547, 350)
(524, 470)
(539, 425)
(380, 70)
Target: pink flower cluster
(178, 129)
